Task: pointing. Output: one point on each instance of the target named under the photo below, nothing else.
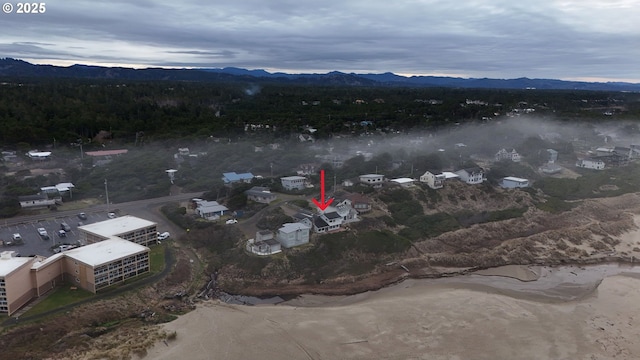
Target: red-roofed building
(359, 202)
(107, 152)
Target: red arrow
(322, 204)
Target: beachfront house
(293, 234)
(474, 175)
(433, 179)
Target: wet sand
(473, 317)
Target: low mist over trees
(39, 112)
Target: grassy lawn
(156, 258)
(63, 295)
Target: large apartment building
(108, 259)
(131, 228)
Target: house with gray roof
(293, 234)
(260, 194)
(210, 210)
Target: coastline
(416, 319)
(578, 309)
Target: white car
(231, 221)
(62, 248)
(42, 232)
(165, 235)
(112, 215)
(17, 237)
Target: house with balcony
(293, 182)
(433, 179)
(508, 154)
(359, 202)
(474, 175)
(263, 244)
(591, 163)
(374, 180)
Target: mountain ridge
(10, 67)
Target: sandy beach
(416, 320)
(510, 312)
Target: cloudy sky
(593, 40)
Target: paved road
(127, 206)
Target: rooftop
(332, 215)
(403, 180)
(516, 179)
(233, 176)
(106, 152)
(450, 175)
(117, 226)
(293, 178)
(105, 251)
(371, 176)
(8, 263)
(291, 227)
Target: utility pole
(334, 184)
(106, 190)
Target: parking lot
(34, 244)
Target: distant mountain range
(13, 68)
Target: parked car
(42, 232)
(62, 233)
(165, 235)
(64, 226)
(82, 216)
(61, 248)
(231, 221)
(112, 215)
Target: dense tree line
(46, 111)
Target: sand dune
(414, 320)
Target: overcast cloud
(564, 39)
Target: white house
(293, 182)
(344, 208)
(374, 180)
(433, 179)
(553, 156)
(33, 201)
(590, 163)
(38, 155)
(511, 182)
(293, 234)
(510, 154)
(471, 175)
(210, 210)
(404, 182)
(263, 244)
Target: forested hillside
(42, 112)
